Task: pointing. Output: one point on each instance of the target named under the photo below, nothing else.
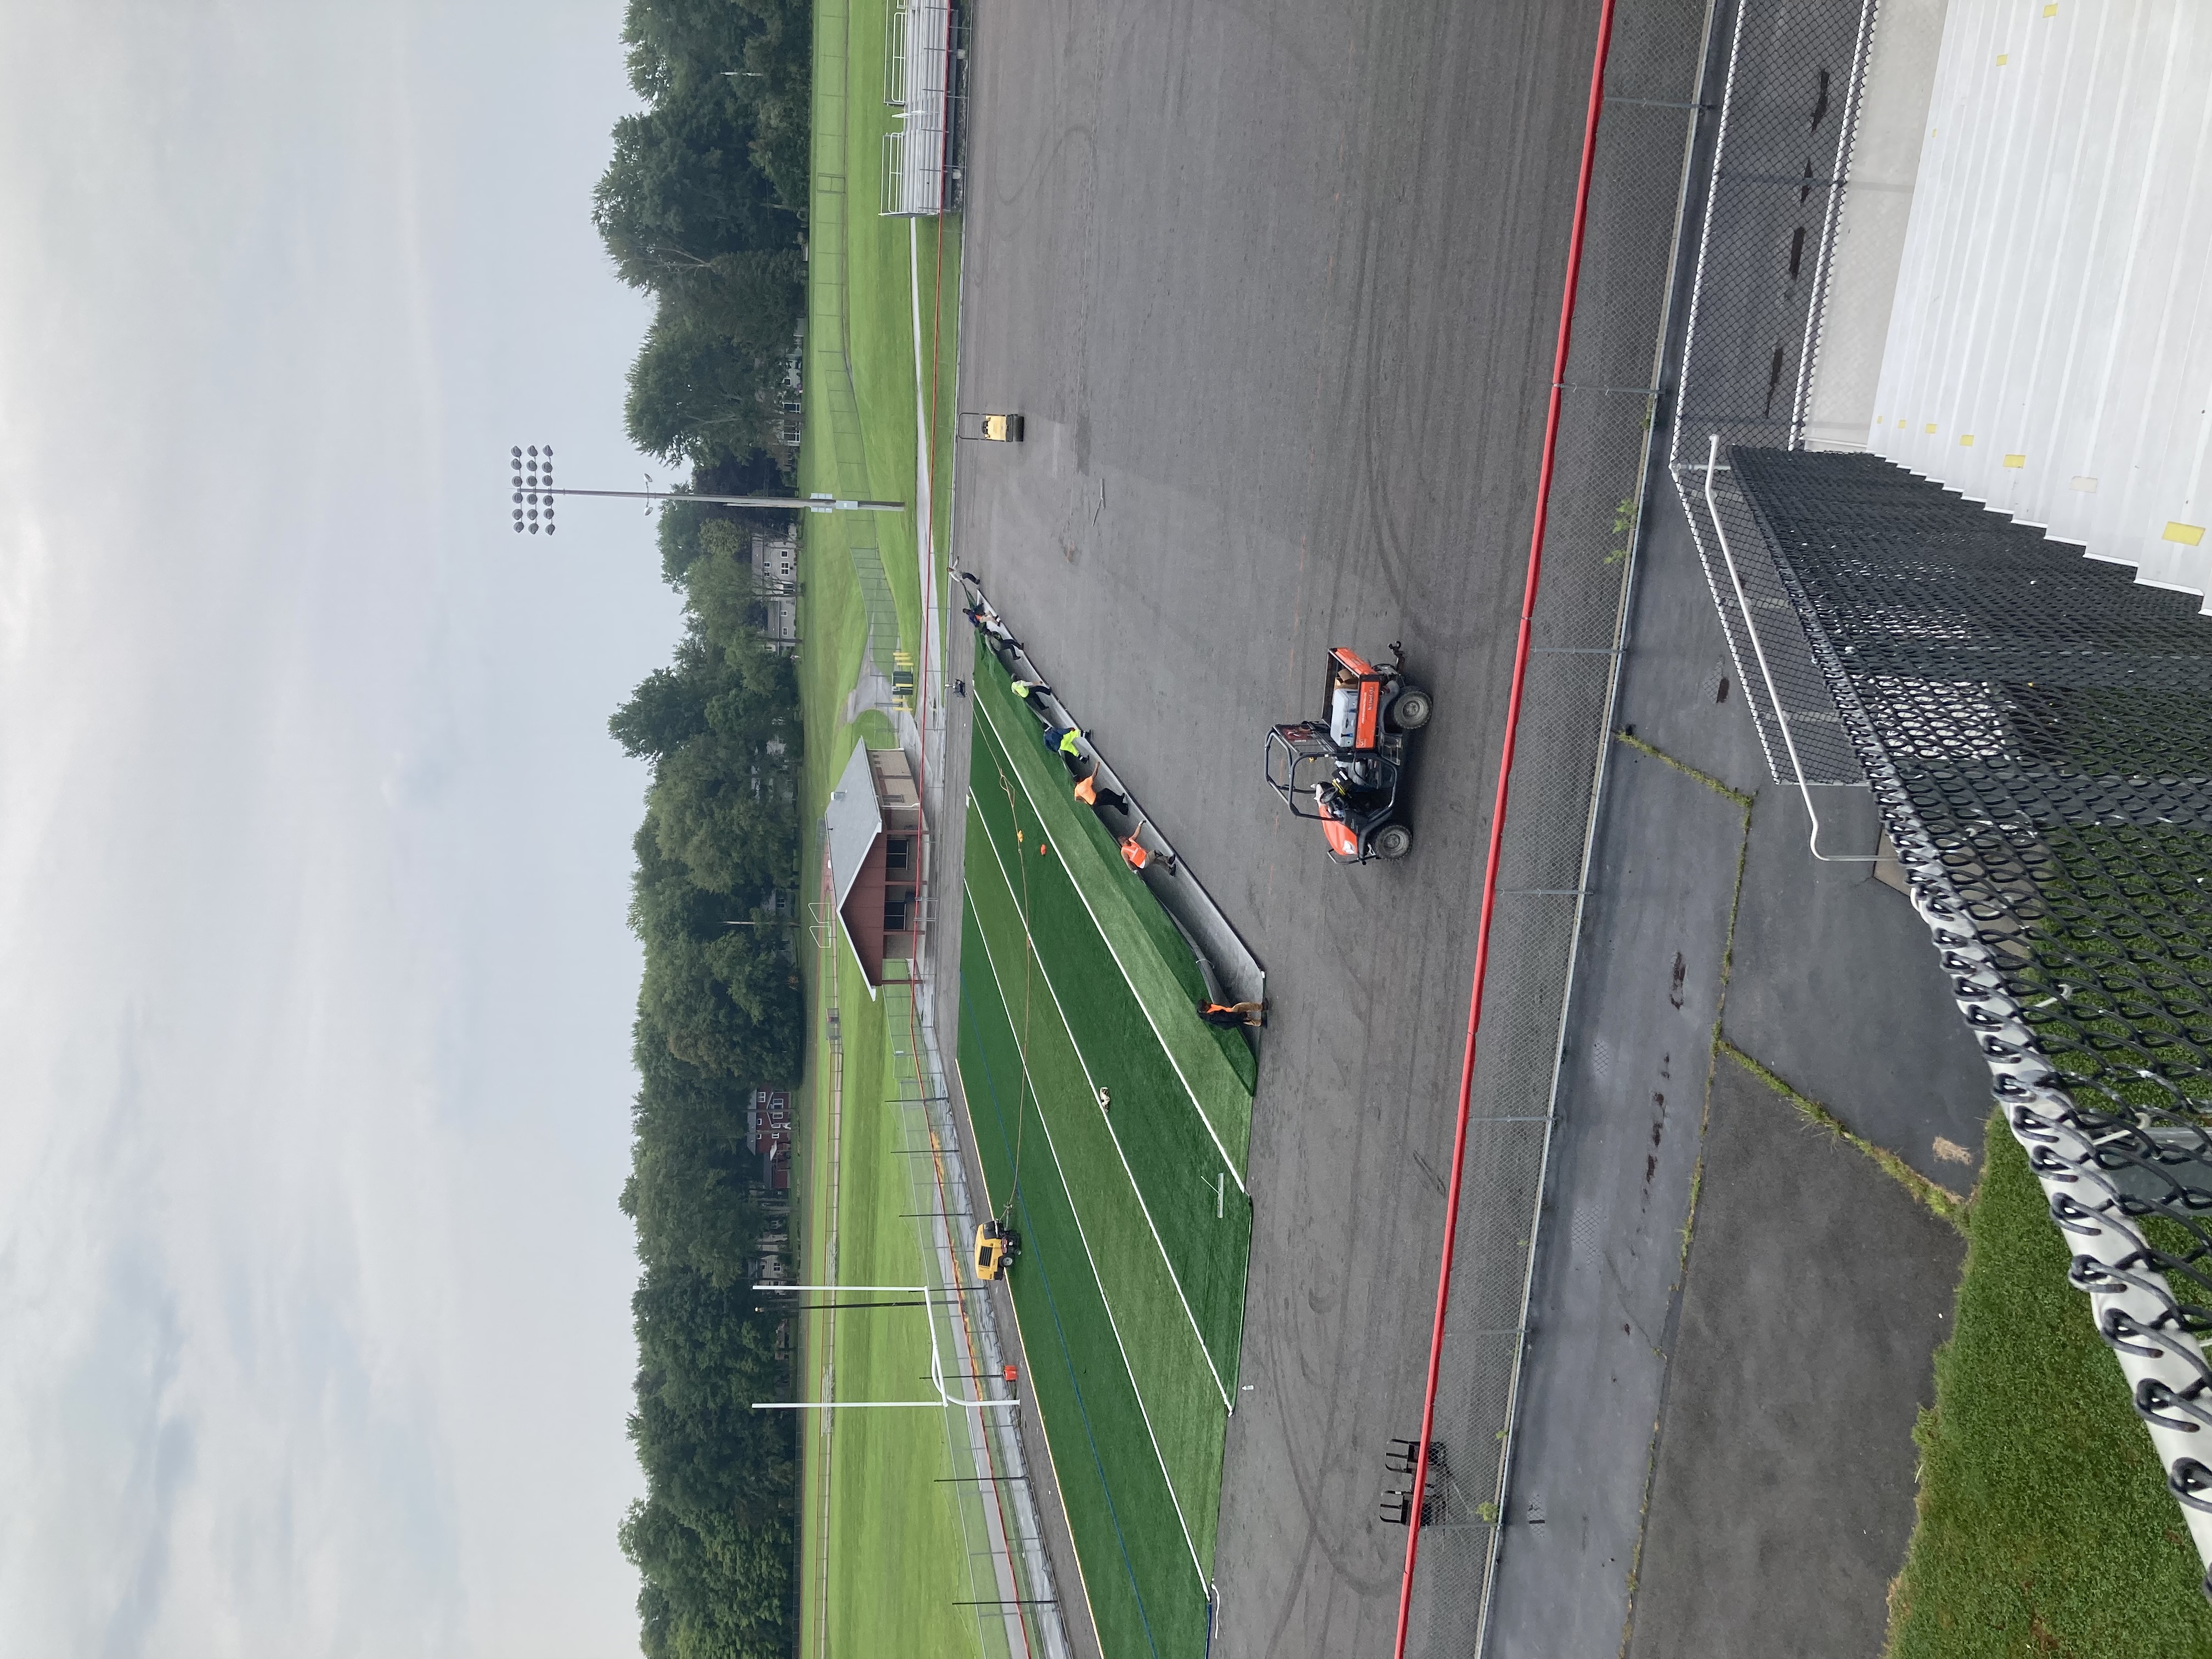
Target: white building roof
(851, 823)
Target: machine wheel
(1392, 840)
(1410, 712)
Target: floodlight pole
(819, 503)
(530, 483)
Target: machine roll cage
(1302, 758)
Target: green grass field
(894, 284)
(1136, 1229)
(896, 1559)
(2045, 1527)
(895, 1541)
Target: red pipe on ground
(1498, 815)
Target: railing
(1780, 169)
(917, 153)
(2030, 723)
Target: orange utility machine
(1346, 769)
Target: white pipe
(1773, 697)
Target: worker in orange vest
(1233, 1013)
(1138, 857)
(1088, 791)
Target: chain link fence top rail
(1639, 169)
(2036, 729)
(1788, 109)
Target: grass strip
(1202, 1220)
(1145, 1595)
(1217, 1065)
(1185, 1413)
(1687, 770)
(2044, 1527)
(1940, 1201)
(892, 1529)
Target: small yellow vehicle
(996, 1247)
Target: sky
(315, 984)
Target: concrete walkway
(1631, 1525)
(1782, 1481)
(1835, 986)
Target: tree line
(704, 206)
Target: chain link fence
(1774, 191)
(2037, 730)
(1007, 1587)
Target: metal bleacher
(2050, 344)
(922, 54)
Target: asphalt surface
(1276, 290)
(1631, 1099)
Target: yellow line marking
(2004, 57)
(1931, 428)
(1965, 440)
(1900, 423)
(2086, 485)
(2052, 10)
(2189, 535)
(2015, 461)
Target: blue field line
(998, 1116)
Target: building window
(898, 853)
(895, 910)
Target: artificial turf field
(1135, 1223)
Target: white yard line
(1091, 1083)
(1112, 1323)
(1196, 1105)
